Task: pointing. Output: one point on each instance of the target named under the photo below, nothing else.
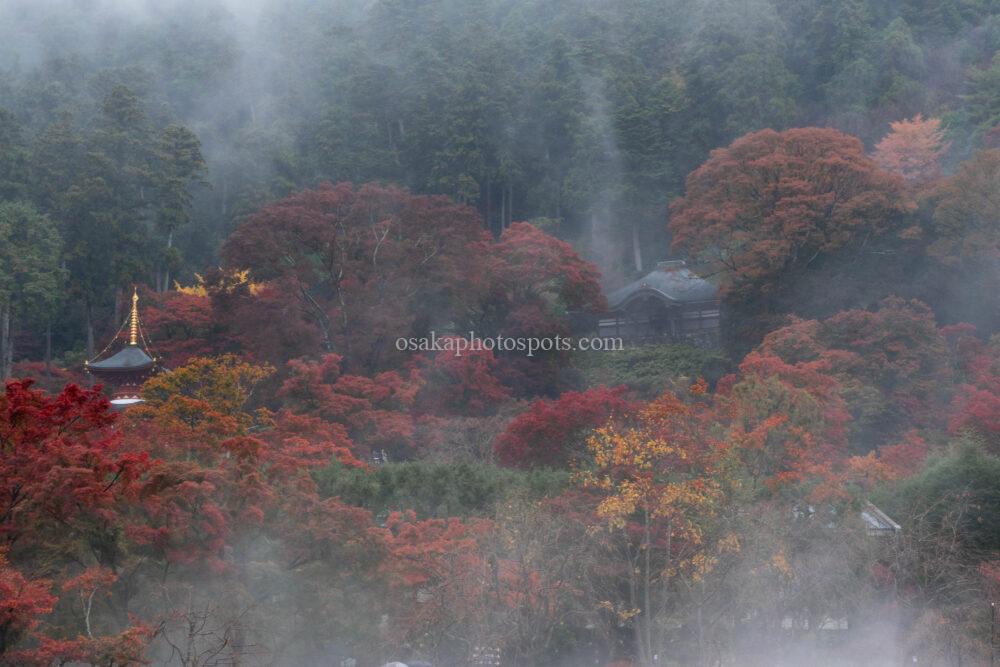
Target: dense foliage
(589, 115)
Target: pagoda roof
(671, 281)
(129, 358)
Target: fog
(255, 81)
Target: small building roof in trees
(877, 521)
(671, 280)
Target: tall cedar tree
(29, 272)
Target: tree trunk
(89, 325)
(701, 625)
(166, 271)
(638, 628)
(503, 208)
(636, 248)
(647, 612)
(510, 206)
(117, 320)
(48, 347)
(321, 318)
(488, 218)
(5, 343)
(10, 345)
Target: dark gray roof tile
(671, 280)
(129, 358)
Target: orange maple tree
(913, 149)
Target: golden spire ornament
(133, 331)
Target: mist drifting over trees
(289, 189)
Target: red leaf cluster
(550, 432)
(375, 411)
(460, 385)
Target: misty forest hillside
(264, 207)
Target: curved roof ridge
(671, 280)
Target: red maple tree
(375, 411)
(366, 265)
(769, 204)
(465, 384)
(552, 432)
(22, 602)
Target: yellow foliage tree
(660, 477)
(203, 402)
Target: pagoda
(126, 370)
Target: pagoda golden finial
(133, 331)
